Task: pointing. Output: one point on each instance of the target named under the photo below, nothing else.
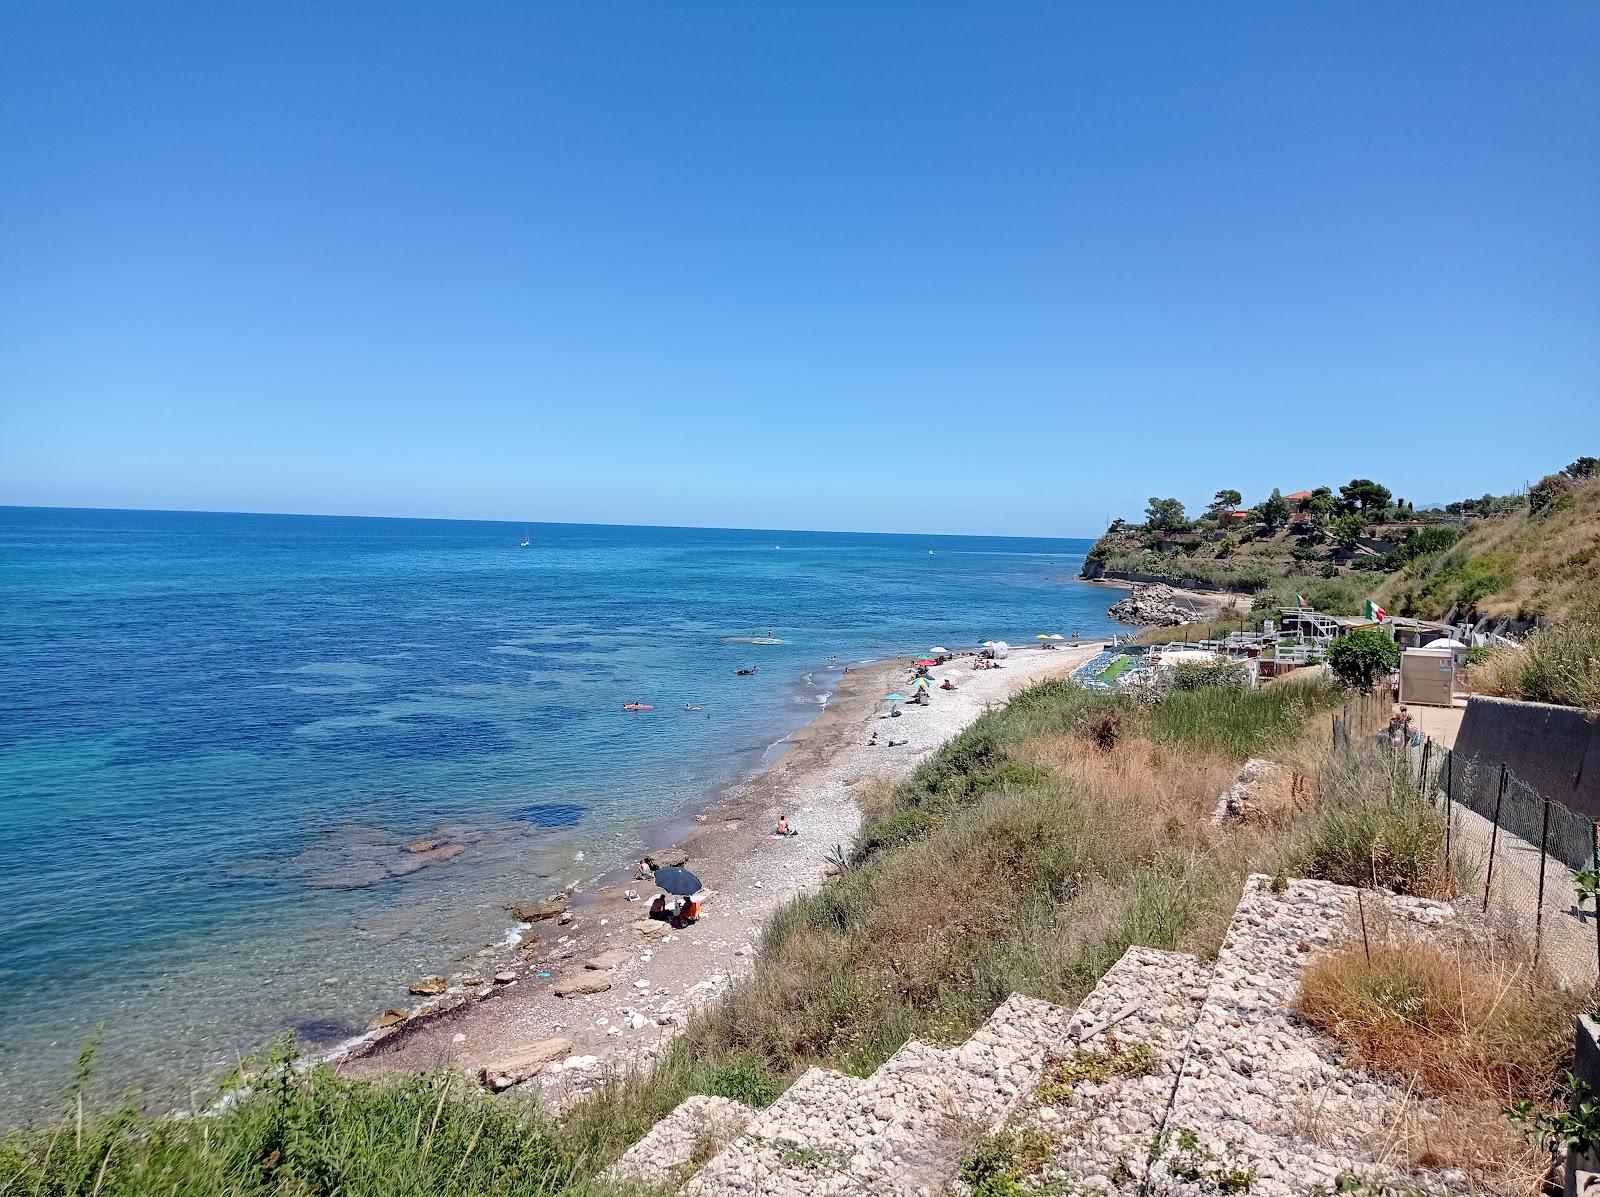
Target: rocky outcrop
(537, 911)
(1152, 605)
(582, 981)
(429, 986)
(523, 1064)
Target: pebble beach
(627, 982)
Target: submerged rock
(429, 986)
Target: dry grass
(1500, 675)
(1546, 564)
(1467, 1032)
(1144, 783)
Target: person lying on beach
(898, 743)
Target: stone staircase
(1171, 1077)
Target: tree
(1319, 502)
(1165, 515)
(1347, 529)
(1223, 502)
(1365, 493)
(1362, 657)
(1276, 509)
(1584, 467)
(1547, 492)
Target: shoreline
(655, 975)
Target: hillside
(1518, 566)
(1513, 556)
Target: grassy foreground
(1026, 855)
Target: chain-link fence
(1517, 854)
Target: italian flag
(1376, 613)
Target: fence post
(1427, 755)
(1538, 917)
(1594, 835)
(1449, 804)
(1494, 836)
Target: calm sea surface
(218, 731)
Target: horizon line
(456, 519)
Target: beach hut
(1428, 676)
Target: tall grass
(308, 1133)
(1241, 723)
(1373, 826)
(1472, 1029)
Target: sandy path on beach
(666, 972)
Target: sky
(971, 268)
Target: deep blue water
(216, 729)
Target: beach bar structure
(1428, 677)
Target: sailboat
(525, 541)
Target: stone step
(903, 1130)
(1104, 1095)
(1261, 1093)
(676, 1146)
(906, 1128)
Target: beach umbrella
(927, 661)
(937, 649)
(894, 698)
(680, 882)
(920, 684)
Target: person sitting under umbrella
(680, 886)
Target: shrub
(1373, 827)
(306, 1133)
(1362, 657)
(1484, 1021)
(1001, 1162)
(1562, 665)
(745, 1078)
(1199, 675)
(1558, 665)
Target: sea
(220, 732)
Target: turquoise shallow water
(217, 729)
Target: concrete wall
(1553, 750)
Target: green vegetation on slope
(1515, 556)
(1542, 562)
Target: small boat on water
(637, 706)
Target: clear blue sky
(933, 267)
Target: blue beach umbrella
(894, 698)
(679, 882)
